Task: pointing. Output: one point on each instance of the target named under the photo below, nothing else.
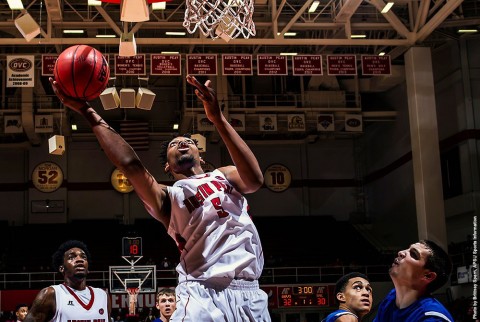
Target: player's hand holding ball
(81, 75)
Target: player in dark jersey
(354, 295)
(417, 271)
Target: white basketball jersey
(89, 305)
(215, 234)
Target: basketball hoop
(132, 299)
(227, 19)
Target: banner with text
(21, 71)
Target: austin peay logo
(20, 65)
(353, 122)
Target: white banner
(353, 123)
(13, 124)
(204, 124)
(268, 123)
(20, 71)
(43, 123)
(296, 122)
(237, 121)
(325, 122)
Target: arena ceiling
(328, 30)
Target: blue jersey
(332, 317)
(425, 308)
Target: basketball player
(354, 295)
(72, 300)
(416, 272)
(21, 311)
(205, 213)
(166, 304)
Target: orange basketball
(82, 72)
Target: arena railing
(270, 276)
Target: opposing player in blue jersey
(354, 295)
(417, 272)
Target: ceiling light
(159, 5)
(288, 54)
(74, 127)
(387, 7)
(175, 126)
(170, 52)
(175, 33)
(358, 36)
(314, 6)
(288, 34)
(15, 4)
(467, 30)
(94, 2)
(381, 53)
(73, 31)
(106, 36)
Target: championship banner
(43, 123)
(13, 124)
(237, 121)
(353, 123)
(325, 123)
(20, 71)
(268, 123)
(296, 122)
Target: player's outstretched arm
(43, 307)
(246, 175)
(122, 156)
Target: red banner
(269, 65)
(202, 64)
(165, 65)
(307, 65)
(376, 65)
(342, 65)
(237, 64)
(130, 65)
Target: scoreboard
(304, 296)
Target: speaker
(134, 10)
(145, 98)
(109, 98)
(128, 47)
(127, 98)
(27, 26)
(56, 145)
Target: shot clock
(303, 295)
(132, 247)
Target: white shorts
(241, 301)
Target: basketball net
(227, 19)
(132, 299)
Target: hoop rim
(133, 290)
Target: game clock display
(132, 246)
(303, 295)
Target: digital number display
(303, 295)
(132, 246)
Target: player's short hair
(438, 262)
(165, 291)
(343, 281)
(20, 305)
(164, 147)
(57, 257)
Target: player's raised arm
(247, 177)
(122, 155)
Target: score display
(132, 246)
(303, 295)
